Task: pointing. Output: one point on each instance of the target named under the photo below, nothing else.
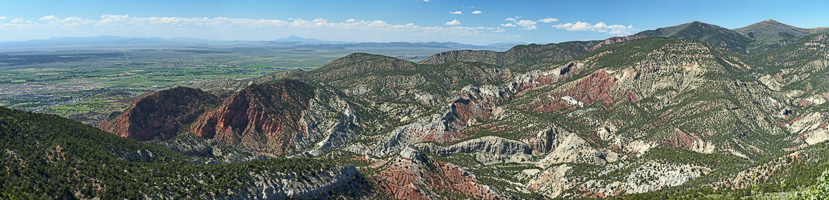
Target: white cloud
(3, 17)
(456, 12)
(510, 19)
(223, 28)
(508, 25)
(476, 12)
(453, 22)
(499, 30)
(526, 24)
(547, 20)
(48, 18)
(427, 0)
(598, 27)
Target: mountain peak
(773, 31)
(771, 21)
(705, 32)
(697, 23)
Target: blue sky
(386, 20)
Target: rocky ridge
(578, 119)
(161, 115)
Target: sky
(462, 21)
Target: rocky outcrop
(594, 88)
(614, 40)
(161, 115)
(546, 140)
(691, 142)
(488, 94)
(570, 148)
(552, 182)
(341, 180)
(488, 150)
(329, 123)
(440, 128)
(262, 118)
(414, 176)
(537, 78)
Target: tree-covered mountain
(771, 32)
(49, 157)
(709, 33)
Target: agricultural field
(88, 85)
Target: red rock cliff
(160, 115)
(261, 118)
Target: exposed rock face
(261, 118)
(339, 182)
(489, 94)
(441, 128)
(594, 88)
(691, 142)
(552, 182)
(412, 176)
(288, 186)
(489, 149)
(546, 140)
(667, 176)
(615, 40)
(329, 123)
(538, 78)
(161, 115)
(570, 148)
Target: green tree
(820, 190)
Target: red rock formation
(543, 79)
(405, 179)
(467, 109)
(594, 88)
(683, 140)
(160, 115)
(259, 118)
(632, 97)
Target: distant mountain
(299, 40)
(712, 34)
(521, 55)
(772, 31)
(116, 42)
(507, 44)
(100, 42)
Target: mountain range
(117, 42)
(688, 111)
